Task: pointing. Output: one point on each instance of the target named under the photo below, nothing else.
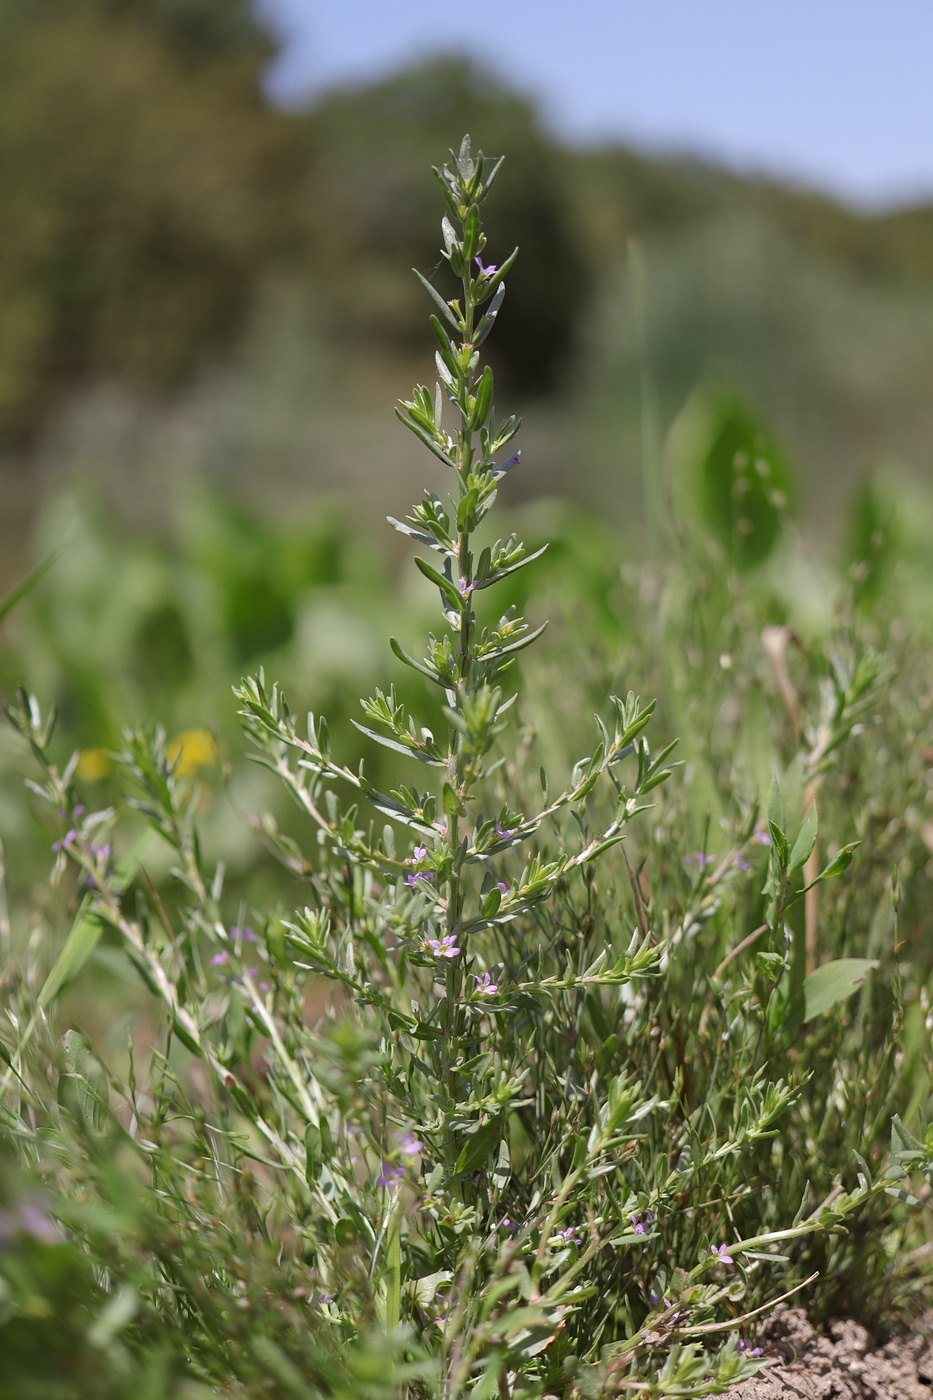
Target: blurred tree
(376, 217)
(145, 188)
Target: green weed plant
(518, 1087)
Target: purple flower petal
(485, 986)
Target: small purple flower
(485, 986)
(445, 947)
(66, 840)
(504, 832)
(501, 885)
(410, 1146)
(78, 810)
(762, 837)
(640, 1223)
(28, 1218)
(721, 1252)
(569, 1236)
(102, 852)
(745, 1348)
(243, 935)
(419, 853)
(416, 875)
(389, 1174)
(220, 958)
(509, 1225)
(489, 271)
(321, 1299)
(466, 588)
(744, 864)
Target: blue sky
(832, 93)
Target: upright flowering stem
(470, 451)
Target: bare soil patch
(844, 1363)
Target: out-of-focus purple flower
(415, 875)
(243, 935)
(321, 1299)
(701, 859)
(66, 840)
(445, 947)
(489, 271)
(410, 1146)
(721, 1252)
(102, 851)
(744, 864)
(389, 1174)
(509, 1225)
(28, 1218)
(745, 1348)
(220, 958)
(640, 1223)
(78, 810)
(485, 986)
(762, 837)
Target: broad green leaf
(82, 939)
(83, 936)
(478, 1147)
(745, 483)
(803, 846)
(840, 862)
(832, 983)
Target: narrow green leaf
(439, 301)
(409, 750)
(419, 666)
(29, 582)
(512, 568)
(514, 646)
(444, 584)
(483, 401)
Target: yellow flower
(93, 765)
(190, 750)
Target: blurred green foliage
(167, 228)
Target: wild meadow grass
(573, 1034)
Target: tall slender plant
(479, 1150)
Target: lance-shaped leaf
(424, 437)
(420, 666)
(490, 579)
(410, 749)
(803, 846)
(495, 653)
(446, 585)
(442, 306)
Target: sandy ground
(842, 1364)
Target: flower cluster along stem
(471, 453)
